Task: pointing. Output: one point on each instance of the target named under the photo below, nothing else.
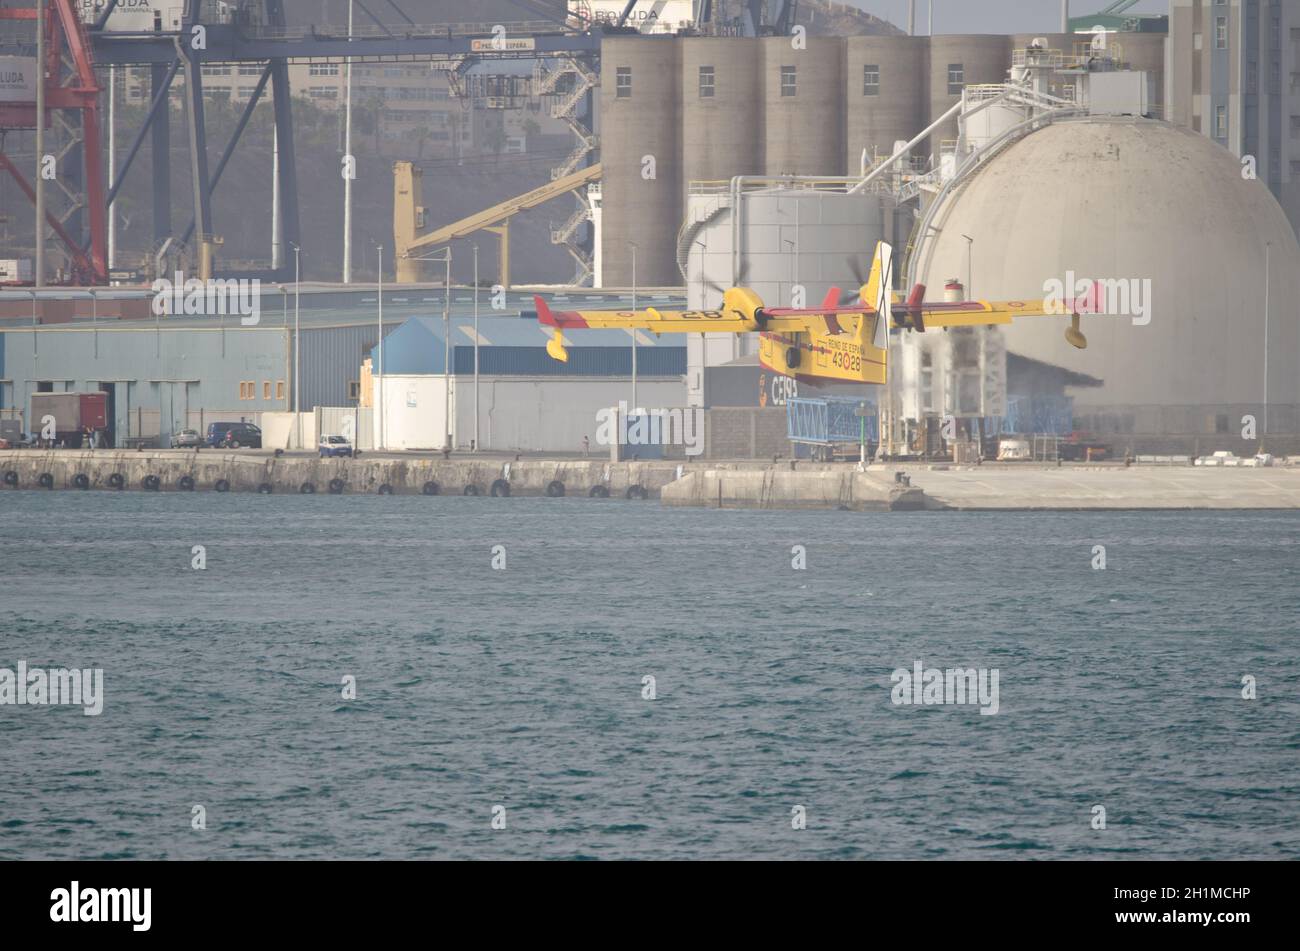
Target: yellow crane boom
(408, 217)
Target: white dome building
(1139, 200)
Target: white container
(15, 270)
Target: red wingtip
(917, 297)
(544, 314)
(832, 299)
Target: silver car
(187, 439)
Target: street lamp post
(347, 158)
(633, 246)
(476, 435)
(378, 377)
(40, 143)
(297, 351)
(1268, 254)
(446, 355)
(970, 291)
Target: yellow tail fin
(874, 329)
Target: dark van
(234, 435)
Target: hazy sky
(994, 16)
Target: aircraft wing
(979, 313)
(652, 319)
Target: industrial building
(708, 109)
(520, 399)
(172, 373)
(1233, 69)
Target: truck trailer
(69, 418)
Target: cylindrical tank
(1106, 199)
(812, 238)
(894, 107)
(641, 181)
(721, 93)
(957, 61)
(803, 92)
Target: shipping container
(15, 270)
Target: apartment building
(1234, 75)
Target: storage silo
(721, 90)
(795, 243)
(884, 94)
(1188, 251)
(803, 96)
(641, 182)
(958, 61)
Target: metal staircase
(582, 77)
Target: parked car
(234, 435)
(1080, 447)
(187, 439)
(334, 446)
(1014, 449)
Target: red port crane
(69, 77)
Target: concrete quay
(254, 471)
(784, 485)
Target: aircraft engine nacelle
(742, 302)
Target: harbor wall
(785, 485)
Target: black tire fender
(151, 483)
(385, 489)
(336, 487)
(598, 492)
(430, 488)
(221, 485)
(11, 477)
(307, 488)
(115, 481)
(500, 489)
(470, 490)
(265, 488)
(81, 480)
(555, 489)
(185, 483)
(46, 481)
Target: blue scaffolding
(830, 420)
(1043, 415)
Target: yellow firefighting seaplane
(824, 344)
